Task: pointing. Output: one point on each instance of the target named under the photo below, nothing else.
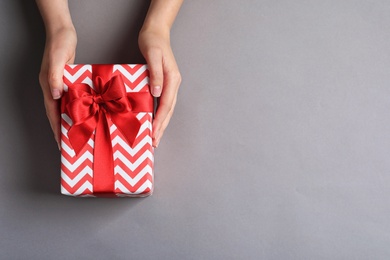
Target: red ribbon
(91, 110)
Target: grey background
(279, 147)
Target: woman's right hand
(60, 49)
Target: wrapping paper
(106, 127)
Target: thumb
(155, 73)
(55, 78)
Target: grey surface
(279, 147)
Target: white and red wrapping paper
(106, 128)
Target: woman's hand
(60, 49)
(165, 78)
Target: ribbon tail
(128, 125)
(103, 165)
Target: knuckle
(179, 78)
(42, 78)
(49, 114)
(153, 51)
(54, 78)
(176, 76)
(47, 108)
(170, 113)
(155, 75)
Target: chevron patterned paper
(133, 167)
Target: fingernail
(156, 91)
(156, 143)
(156, 135)
(55, 93)
(59, 146)
(155, 139)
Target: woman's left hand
(164, 75)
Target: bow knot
(98, 99)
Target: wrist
(63, 39)
(54, 29)
(161, 15)
(55, 15)
(155, 28)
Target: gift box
(106, 128)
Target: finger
(156, 76)
(169, 116)
(164, 125)
(167, 103)
(53, 114)
(55, 74)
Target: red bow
(89, 110)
